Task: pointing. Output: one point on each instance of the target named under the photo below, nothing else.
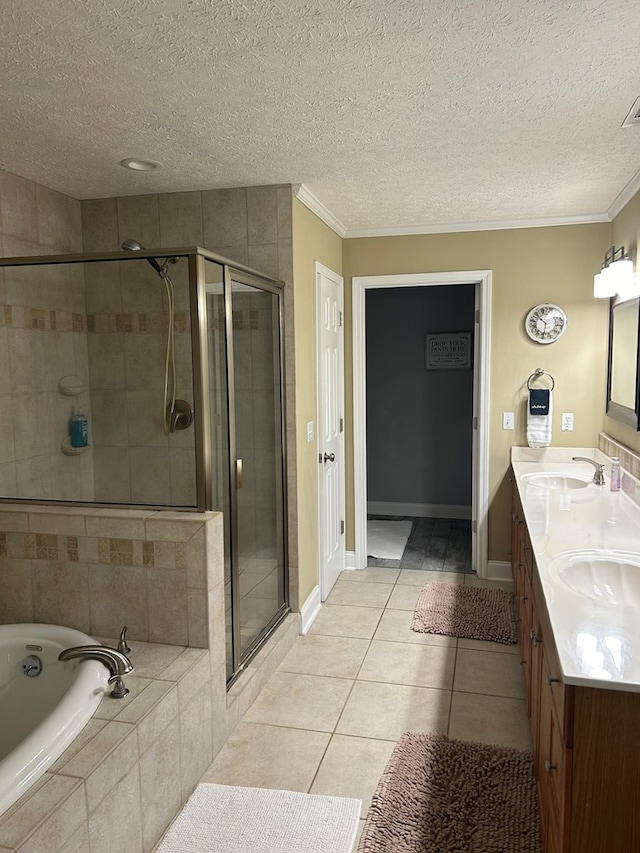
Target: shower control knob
(329, 457)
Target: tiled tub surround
(587, 521)
(160, 573)
(125, 777)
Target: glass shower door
(259, 589)
(247, 477)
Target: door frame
(321, 269)
(480, 459)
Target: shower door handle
(238, 473)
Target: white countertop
(596, 635)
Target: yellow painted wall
(529, 266)
(312, 241)
(626, 232)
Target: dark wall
(419, 430)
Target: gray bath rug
(470, 612)
(226, 818)
(386, 540)
(447, 796)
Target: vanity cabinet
(586, 740)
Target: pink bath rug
(469, 612)
(448, 796)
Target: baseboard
(310, 610)
(350, 561)
(418, 510)
(499, 570)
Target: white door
(330, 384)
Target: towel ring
(540, 372)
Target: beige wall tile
(149, 467)
(111, 478)
(61, 523)
(181, 219)
(26, 362)
(139, 219)
(167, 601)
(18, 209)
(160, 784)
(102, 288)
(224, 215)
(104, 760)
(52, 211)
(40, 810)
(16, 601)
(61, 594)
(151, 710)
(262, 215)
(118, 596)
(117, 822)
(195, 739)
(99, 225)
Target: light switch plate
(508, 420)
(310, 431)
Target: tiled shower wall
(249, 225)
(42, 339)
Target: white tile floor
(328, 719)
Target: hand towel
(539, 415)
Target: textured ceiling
(393, 113)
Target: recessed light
(140, 165)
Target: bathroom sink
(612, 578)
(555, 481)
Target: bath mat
(470, 612)
(386, 540)
(447, 796)
(225, 818)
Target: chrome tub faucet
(598, 477)
(116, 662)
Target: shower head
(134, 246)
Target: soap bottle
(79, 429)
(615, 474)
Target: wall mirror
(623, 383)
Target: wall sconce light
(616, 276)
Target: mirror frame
(624, 414)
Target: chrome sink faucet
(598, 477)
(116, 662)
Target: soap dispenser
(79, 429)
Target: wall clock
(545, 323)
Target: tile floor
(328, 719)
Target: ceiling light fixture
(616, 276)
(140, 165)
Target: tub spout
(116, 662)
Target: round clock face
(545, 323)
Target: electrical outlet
(508, 420)
(567, 421)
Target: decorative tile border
(41, 319)
(629, 462)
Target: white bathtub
(41, 715)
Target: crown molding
(625, 196)
(495, 225)
(316, 206)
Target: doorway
(453, 346)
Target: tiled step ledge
(126, 776)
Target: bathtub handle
(122, 642)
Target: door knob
(329, 457)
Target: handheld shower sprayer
(134, 246)
(172, 419)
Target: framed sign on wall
(450, 351)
